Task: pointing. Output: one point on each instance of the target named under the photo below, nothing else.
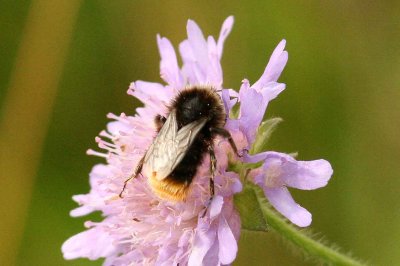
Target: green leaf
(250, 213)
(264, 133)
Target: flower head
(141, 228)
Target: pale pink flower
(143, 229)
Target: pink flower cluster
(142, 229)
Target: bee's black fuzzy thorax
(199, 102)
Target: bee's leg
(138, 169)
(159, 120)
(225, 133)
(213, 167)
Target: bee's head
(193, 107)
(196, 103)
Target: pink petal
(115, 127)
(82, 245)
(190, 69)
(230, 98)
(304, 175)
(212, 256)
(81, 211)
(150, 92)
(271, 90)
(165, 254)
(204, 239)
(225, 30)
(274, 67)
(226, 100)
(235, 224)
(227, 242)
(198, 44)
(214, 69)
(283, 202)
(169, 68)
(216, 206)
(307, 175)
(253, 104)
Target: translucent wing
(170, 146)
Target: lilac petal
(283, 202)
(186, 52)
(212, 256)
(197, 42)
(151, 92)
(169, 68)
(198, 47)
(227, 242)
(229, 98)
(190, 69)
(234, 95)
(116, 127)
(214, 69)
(253, 104)
(250, 158)
(226, 99)
(204, 239)
(304, 175)
(216, 206)
(165, 253)
(81, 245)
(236, 185)
(271, 91)
(225, 30)
(234, 224)
(274, 67)
(82, 210)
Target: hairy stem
(301, 240)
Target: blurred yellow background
(66, 64)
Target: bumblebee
(196, 117)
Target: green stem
(298, 238)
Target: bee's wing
(170, 146)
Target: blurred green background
(66, 64)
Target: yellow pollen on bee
(168, 190)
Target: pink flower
(140, 228)
(143, 229)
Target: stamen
(104, 133)
(89, 224)
(130, 91)
(122, 117)
(107, 146)
(95, 153)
